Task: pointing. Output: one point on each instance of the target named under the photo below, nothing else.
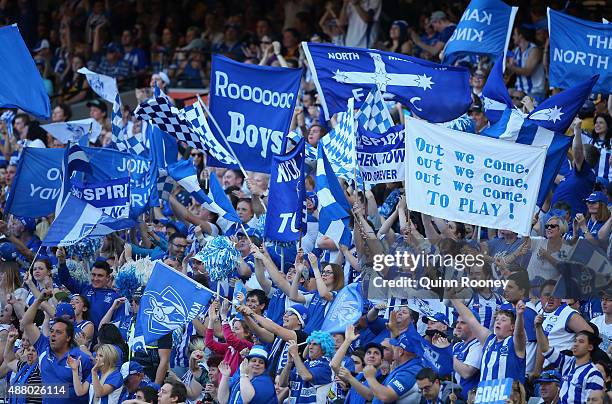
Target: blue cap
(507, 307)
(113, 47)
(403, 342)
(300, 311)
(178, 226)
(258, 351)
(597, 197)
(440, 317)
(250, 231)
(28, 222)
(8, 252)
(131, 368)
(549, 376)
(64, 309)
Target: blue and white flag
(345, 310)
(373, 115)
(253, 106)
(78, 220)
(434, 92)
(340, 144)
(37, 184)
(557, 112)
(484, 29)
(587, 271)
(333, 207)
(77, 160)
(286, 204)
(111, 196)
(496, 391)
(118, 129)
(185, 175)
(170, 301)
(194, 114)
(104, 86)
(295, 137)
(514, 127)
(495, 96)
(8, 117)
(463, 124)
(21, 85)
(381, 157)
(579, 50)
(73, 131)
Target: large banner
(484, 29)
(472, 179)
(579, 50)
(253, 106)
(38, 180)
(286, 203)
(112, 196)
(432, 91)
(381, 156)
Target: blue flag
(219, 202)
(333, 207)
(170, 301)
(37, 184)
(111, 196)
(253, 106)
(345, 310)
(579, 50)
(514, 127)
(185, 174)
(164, 148)
(431, 91)
(484, 29)
(381, 157)
(21, 85)
(78, 220)
(557, 112)
(495, 96)
(286, 204)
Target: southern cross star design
(382, 78)
(548, 114)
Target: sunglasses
(517, 98)
(551, 226)
(196, 154)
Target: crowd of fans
(67, 318)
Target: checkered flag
(119, 131)
(373, 114)
(194, 114)
(340, 146)
(165, 184)
(136, 145)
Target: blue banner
(21, 85)
(170, 301)
(579, 50)
(286, 204)
(484, 29)
(494, 391)
(434, 92)
(38, 180)
(112, 196)
(253, 106)
(345, 310)
(381, 156)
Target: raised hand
(349, 334)
(74, 363)
(225, 369)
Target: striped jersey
(534, 84)
(578, 381)
(499, 360)
(486, 307)
(470, 353)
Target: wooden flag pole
(214, 121)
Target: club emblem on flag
(167, 310)
(76, 129)
(86, 229)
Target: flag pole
(34, 259)
(245, 233)
(214, 121)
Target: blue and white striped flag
(340, 146)
(495, 97)
(333, 207)
(184, 173)
(194, 114)
(77, 160)
(373, 115)
(78, 220)
(514, 127)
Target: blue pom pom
(220, 258)
(86, 249)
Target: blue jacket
(100, 300)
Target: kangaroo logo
(166, 310)
(76, 129)
(96, 84)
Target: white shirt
(357, 33)
(605, 331)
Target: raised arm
(111, 311)
(577, 149)
(542, 339)
(482, 333)
(295, 294)
(321, 286)
(349, 338)
(520, 338)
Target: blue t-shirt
(353, 397)
(114, 379)
(306, 392)
(576, 186)
(446, 33)
(316, 312)
(403, 381)
(54, 370)
(264, 390)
